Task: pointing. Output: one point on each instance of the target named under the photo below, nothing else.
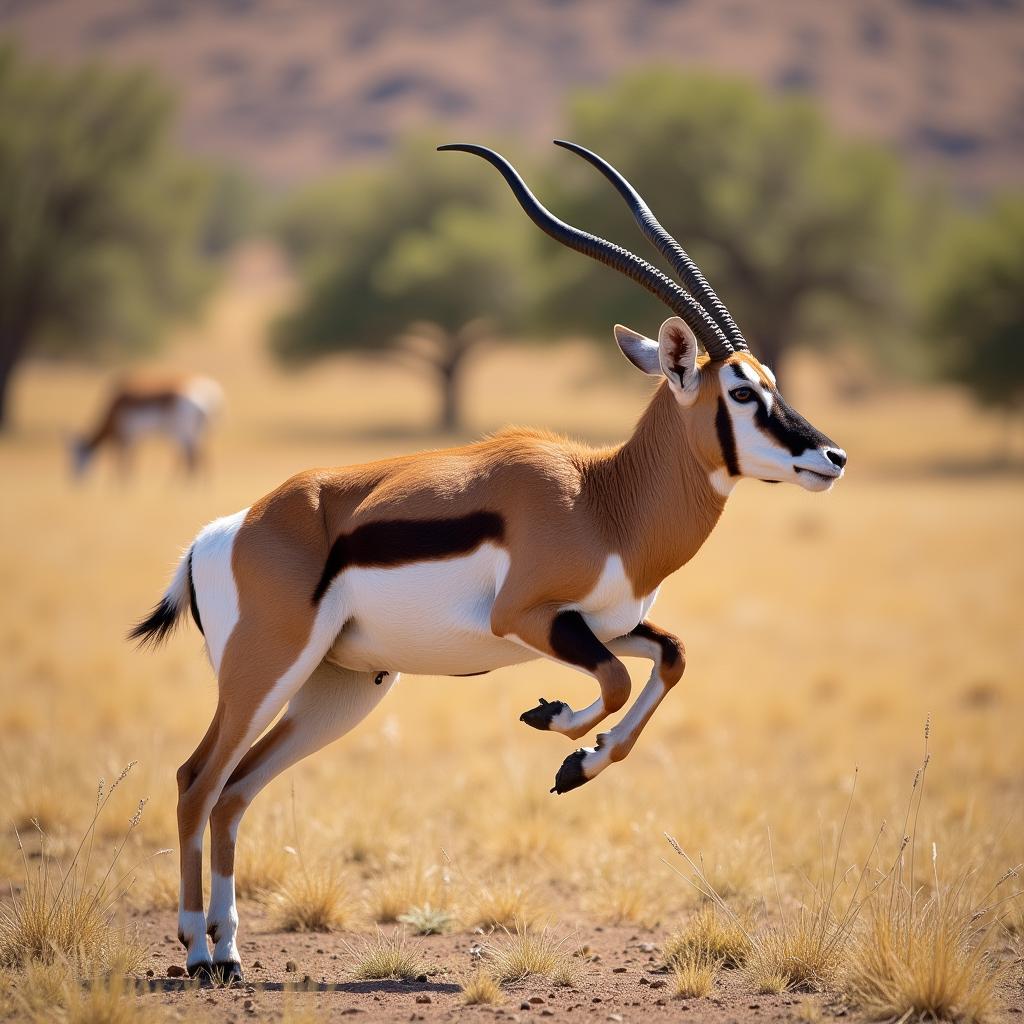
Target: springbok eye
(742, 395)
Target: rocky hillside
(291, 88)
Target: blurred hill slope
(291, 88)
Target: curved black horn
(692, 313)
(688, 271)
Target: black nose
(836, 456)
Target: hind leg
(332, 702)
(256, 680)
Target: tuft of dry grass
(481, 988)
(767, 980)
(385, 957)
(724, 937)
(397, 892)
(427, 920)
(522, 951)
(69, 912)
(263, 862)
(312, 900)
(695, 970)
(52, 993)
(504, 904)
(925, 959)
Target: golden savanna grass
(821, 631)
(521, 952)
(385, 956)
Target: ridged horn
(645, 274)
(688, 271)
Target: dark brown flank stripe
(401, 541)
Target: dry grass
(725, 938)
(427, 920)
(481, 988)
(53, 993)
(520, 952)
(695, 969)
(385, 957)
(397, 893)
(311, 900)
(502, 904)
(68, 911)
(929, 963)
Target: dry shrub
(481, 989)
(385, 957)
(312, 900)
(695, 970)
(724, 937)
(69, 913)
(523, 951)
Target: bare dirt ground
(620, 980)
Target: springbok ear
(640, 351)
(677, 351)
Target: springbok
(457, 562)
(180, 408)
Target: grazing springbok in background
(456, 562)
(180, 408)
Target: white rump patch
(214, 581)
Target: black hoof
(228, 972)
(570, 775)
(540, 716)
(202, 971)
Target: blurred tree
(797, 230)
(975, 304)
(100, 221)
(423, 258)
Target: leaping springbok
(179, 408)
(457, 562)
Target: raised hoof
(228, 972)
(570, 775)
(540, 717)
(201, 972)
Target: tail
(161, 622)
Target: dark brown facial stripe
(726, 438)
(668, 643)
(398, 542)
(573, 642)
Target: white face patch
(767, 436)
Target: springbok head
(729, 399)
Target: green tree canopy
(794, 227)
(423, 256)
(100, 219)
(975, 307)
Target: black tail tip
(156, 627)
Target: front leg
(669, 656)
(565, 637)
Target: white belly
(428, 618)
(434, 618)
